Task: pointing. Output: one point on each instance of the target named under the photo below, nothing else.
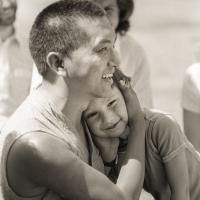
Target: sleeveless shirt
(36, 114)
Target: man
(47, 154)
(133, 61)
(13, 63)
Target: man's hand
(107, 146)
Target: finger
(122, 81)
(119, 75)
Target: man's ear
(55, 62)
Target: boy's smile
(107, 117)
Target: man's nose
(114, 59)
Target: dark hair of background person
(55, 29)
(126, 8)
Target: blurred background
(168, 30)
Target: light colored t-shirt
(15, 75)
(191, 89)
(133, 62)
(36, 114)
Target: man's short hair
(55, 29)
(126, 8)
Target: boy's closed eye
(91, 115)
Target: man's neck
(71, 104)
(6, 32)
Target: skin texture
(91, 62)
(107, 117)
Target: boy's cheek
(125, 133)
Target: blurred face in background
(7, 12)
(112, 10)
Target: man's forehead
(98, 29)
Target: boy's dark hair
(126, 8)
(55, 29)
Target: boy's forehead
(114, 93)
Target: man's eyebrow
(101, 42)
(104, 41)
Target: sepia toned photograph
(99, 99)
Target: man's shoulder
(40, 143)
(41, 149)
(22, 117)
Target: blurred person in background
(132, 55)
(14, 72)
(191, 104)
(133, 61)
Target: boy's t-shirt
(164, 141)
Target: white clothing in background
(191, 89)
(133, 63)
(15, 76)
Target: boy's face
(7, 12)
(107, 117)
(112, 10)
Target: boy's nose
(108, 120)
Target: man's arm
(177, 175)
(45, 161)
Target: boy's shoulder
(163, 134)
(158, 116)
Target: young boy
(172, 166)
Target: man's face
(7, 12)
(93, 64)
(112, 10)
(107, 117)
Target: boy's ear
(55, 62)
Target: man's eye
(108, 9)
(112, 103)
(103, 49)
